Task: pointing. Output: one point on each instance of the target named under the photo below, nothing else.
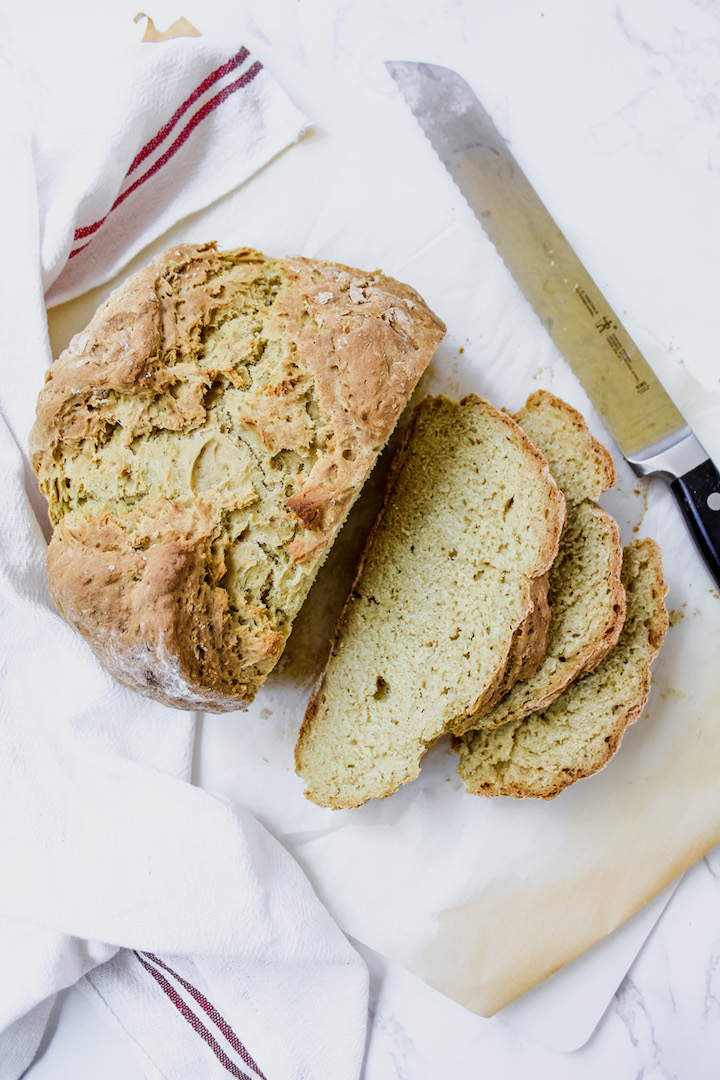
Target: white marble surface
(663, 1021)
(614, 111)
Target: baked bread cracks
(199, 446)
(453, 571)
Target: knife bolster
(670, 458)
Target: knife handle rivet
(713, 500)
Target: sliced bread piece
(470, 526)
(582, 466)
(539, 756)
(200, 444)
(586, 596)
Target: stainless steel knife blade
(649, 430)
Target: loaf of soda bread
(447, 599)
(541, 755)
(199, 446)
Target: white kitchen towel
(176, 909)
(130, 136)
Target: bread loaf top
(199, 446)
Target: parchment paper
(481, 898)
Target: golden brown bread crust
(156, 617)
(312, 370)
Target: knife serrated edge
(677, 452)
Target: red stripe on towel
(200, 115)
(219, 73)
(194, 1021)
(214, 1015)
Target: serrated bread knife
(648, 429)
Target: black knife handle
(698, 493)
